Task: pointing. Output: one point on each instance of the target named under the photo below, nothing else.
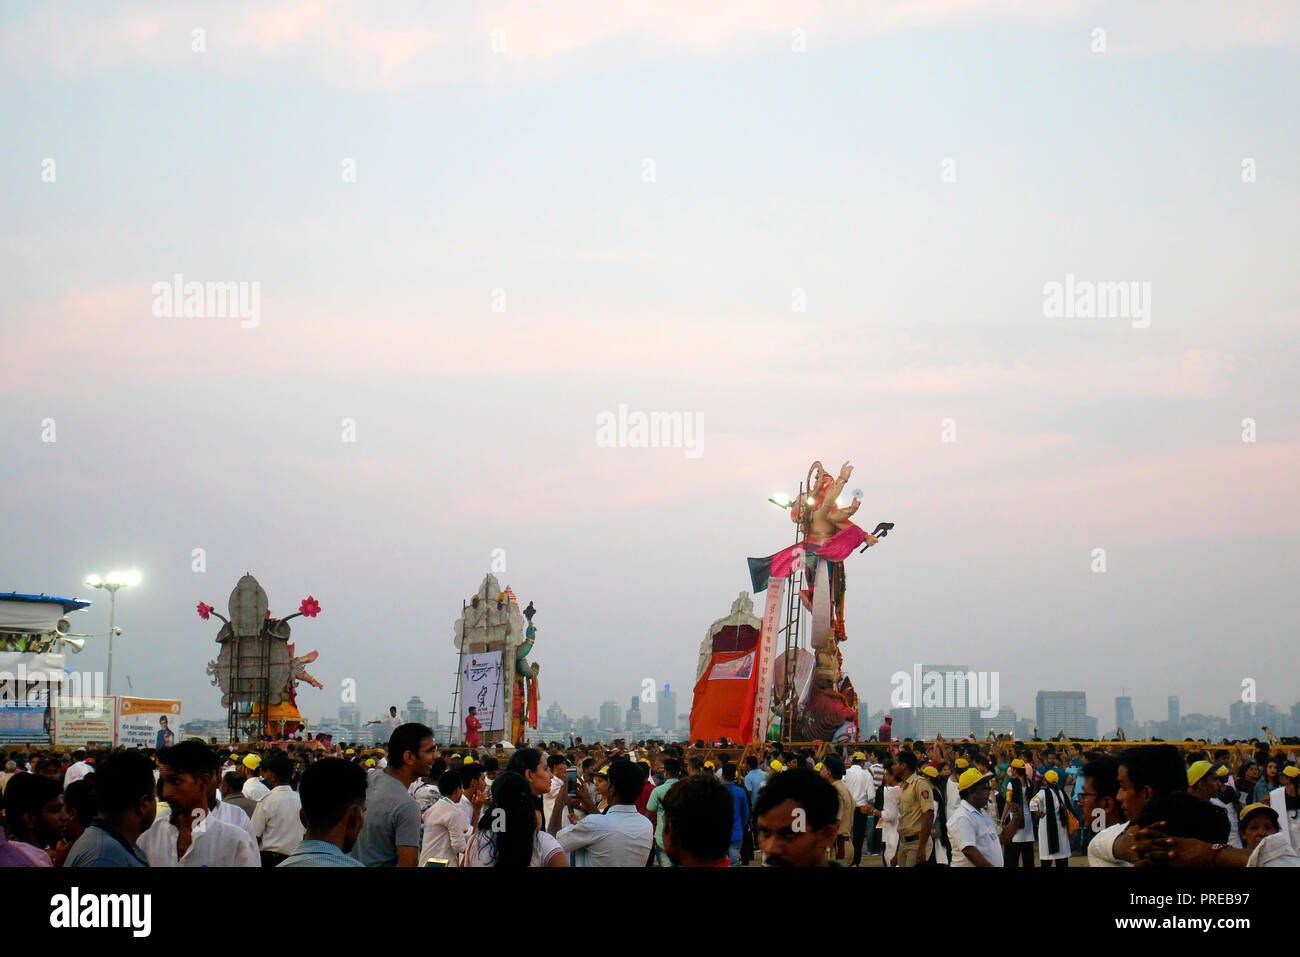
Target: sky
(820, 230)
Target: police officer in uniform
(915, 811)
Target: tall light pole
(113, 582)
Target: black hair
(470, 772)
(279, 764)
(555, 760)
(79, 799)
(751, 761)
(626, 781)
(449, 782)
(490, 764)
(189, 757)
(909, 758)
(699, 812)
(524, 760)
(121, 780)
(833, 764)
(806, 788)
(27, 794)
(1103, 772)
(512, 806)
(1186, 816)
(672, 767)
(328, 789)
(1157, 766)
(233, 780)
(406, 737)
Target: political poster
(148, 722)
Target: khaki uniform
(915, 798)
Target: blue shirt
(100, 847)
(754, 782)
(318, 854)
(739, 811)
(621, 837)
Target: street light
(112, 583)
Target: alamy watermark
(1085, 299)
(935, 688)
(626, 429)
(68, 689)
(208, 300)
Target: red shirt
(471, 731)
(645, 799)
(886, 733)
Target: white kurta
(1038, 804)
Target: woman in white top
(507, 834)
(1048, 808)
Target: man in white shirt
(277, 819)
(621, 837)
(390, 723)
(225, 811)
(188, 836)
(862, 789)
(1099, 805)
(889, 817)
(444, 832)
(78, 770)
(976, 840)
(254, 789)
(877, 771)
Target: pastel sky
(647, 193)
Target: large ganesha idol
(824, 702)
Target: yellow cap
(604, 771)
(859, 756)
(643, 761)
(1051, 777)
(351, 751)
(1252, 808)
(708, 764)
(1291, 771)
(1197, 771)
(251, 761)
(1018, 763)
(1221, 771)
(971, 777)
(776, 766)
(930, 772)
(817, 766)
(370, 762)
(962, 763)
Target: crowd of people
(650, 804)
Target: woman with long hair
(507, 834)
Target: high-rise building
(1062, 711)
(667, 714)
(1091, 725)
(633, 722)
(1124, 714)
(611, 716)
(1174, 716)
(416, 713)
(1003, 723)
(945, 703)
